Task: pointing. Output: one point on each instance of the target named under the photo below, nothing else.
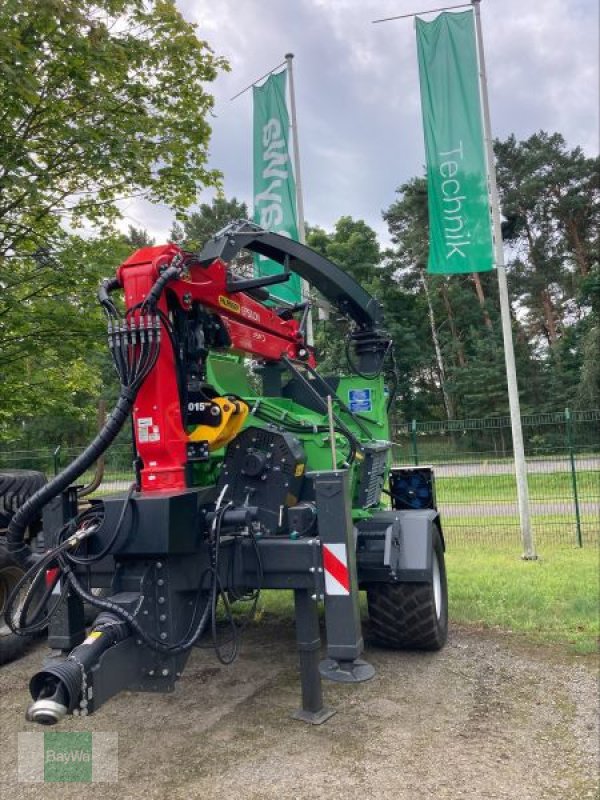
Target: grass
(474, 530)
(549, 486)
(552, 600)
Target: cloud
(357, 90)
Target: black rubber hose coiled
(15, 534)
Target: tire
(411, 615)
(17, 486)
(11, 645)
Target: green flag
(460, 233)
(274, 184)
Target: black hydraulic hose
(168, 275)
(15, 544)
(107, 286)
(131, 380)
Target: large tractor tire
(17, 486)
(11, 645)
(412, 615)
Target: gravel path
(485, 718)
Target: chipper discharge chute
(252, 471)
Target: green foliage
(99, 101)
(552, 195)
(52, 334)
(194, 230)
(197, 227)
(550, 199)
(352, 246)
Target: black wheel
(11, 645)
(412, 615)
(17, 486)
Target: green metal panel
(230, 375)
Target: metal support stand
(355, 671)
(308, 638)
(342, 610)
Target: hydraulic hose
(123, 341)
(15, 544)
(153, 295)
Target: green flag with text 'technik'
(460, 233)
(274, 184)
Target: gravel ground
(488, 717)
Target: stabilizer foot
(313, 717)
(355, 671)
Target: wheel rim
(9, 577)
(437, 586)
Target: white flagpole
(509, 352)
(299, 196)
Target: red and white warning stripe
(335, 564)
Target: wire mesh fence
(475, 481)
(474, 471)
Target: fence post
(56, 456)
(569, 429)
(413, 439)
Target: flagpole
(509, 352)
(299, 195)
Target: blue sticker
(360, 400)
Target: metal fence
(475, 483)
(475, 480)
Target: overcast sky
(357, 98)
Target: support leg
(309, 649)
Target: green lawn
(472, 528)
(542, 486)
(554, 600)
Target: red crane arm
(253, 328)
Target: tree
(138, 238)
(193, 231)
(353, 246)
(54, 357)
(98, 101)
(552, 195)
(459, 360)
(551, 206)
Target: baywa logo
(68, 757)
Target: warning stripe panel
(335, 565)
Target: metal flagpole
(509, 352)
(299, 196)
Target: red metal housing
(253, 328)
